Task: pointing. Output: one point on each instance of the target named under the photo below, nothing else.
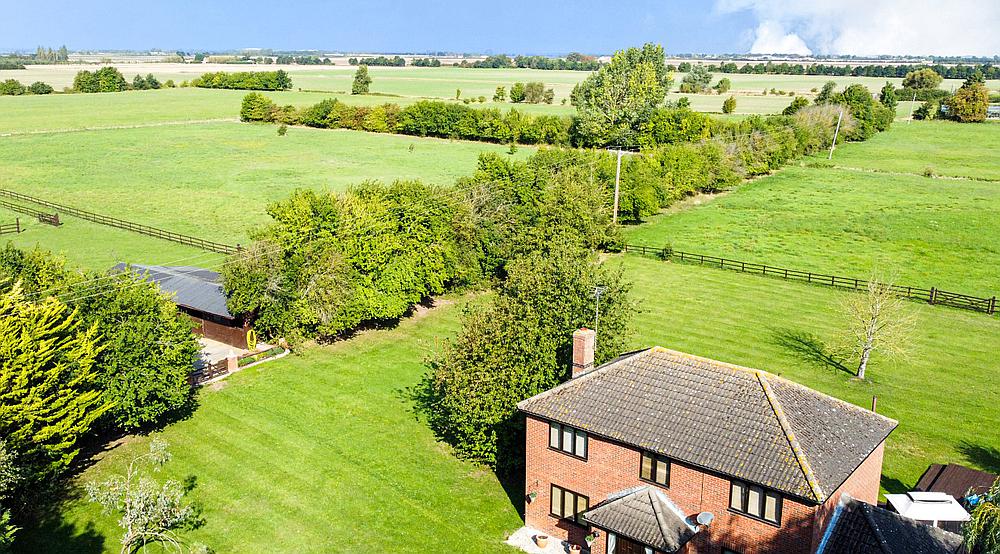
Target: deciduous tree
(729, 105)
(151, 513)
(878, 321)
(922, 79)
(613, 103)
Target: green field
(927, 232)
(211, 180)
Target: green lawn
(214, 180)
(317, 452)
(928, 232)
(945, 147)
(946, 394)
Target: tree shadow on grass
(810, 348)
(986, 457)
(56, 536)
(895, 486)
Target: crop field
(926, 232)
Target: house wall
(611, 467)
(235, 335)
(863, 485)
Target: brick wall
(611, 467)
(863, 485)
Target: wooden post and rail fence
(188, 240)
(8, 228)
(933, 295)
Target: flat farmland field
(214, 180)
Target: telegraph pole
(912, 103)
(835, 133)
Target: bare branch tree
(878, 320)
(150, 512)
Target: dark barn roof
(191, 287)
(860, 527)
(956, 480)
(737, 421)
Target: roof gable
(737, 421)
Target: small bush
(282, 130)
(729, 105)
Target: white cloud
(770, 38)
(864, 27)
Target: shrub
(282, 130)
(11, 87)
(729, 105)
(106, 79)
(797, 104)
(517, 93)
(39, 87)
(723, 85)
(500, 95)
(257, 107)
(927, 110)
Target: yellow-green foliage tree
(49, 395)
(970, 102)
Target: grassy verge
(317, 452)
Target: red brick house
(659, 451)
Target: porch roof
(644, 514)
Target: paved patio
(524, 538)
(213, 351)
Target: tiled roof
(860, 527)
(737, 421)
(644, 514)
(192, 287)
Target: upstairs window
(568, 505)
(568, 439)
(655, 469)
(754, 501)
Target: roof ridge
(786, 428)
(866, 509)
(586, 376)
(736, 367)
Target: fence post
(993, 306)
(17, 221)
(933, 295)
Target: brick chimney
(583, 350)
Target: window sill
(755, 518)
(661, 485)
(570, 454)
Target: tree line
(395, 61)
(82, 355)
(959, 71)
(572, 62)
(245, 80)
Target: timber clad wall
(612, 467)
(233, 336)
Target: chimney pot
(583, 350)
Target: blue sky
(507, 26)
(513, 26)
